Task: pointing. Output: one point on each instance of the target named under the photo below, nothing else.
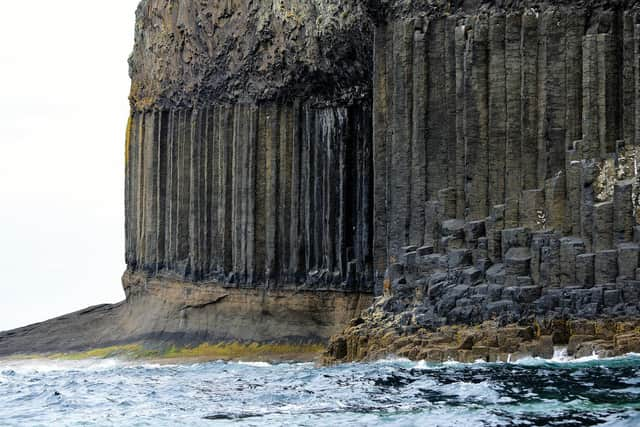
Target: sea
(393, 392)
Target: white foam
(393, 359)
(30, 366)
(46, 365)
(256, 364)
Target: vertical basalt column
(400, 179)
(623, 216)
(308, 161)
(139, 189)
(317, 190)
(168, 189)
(629, 63)
(418, 145)
(225, 204)
(590, 92)
(380, 129)
(130, 214)
(437, 109)
(497, 110)
(607, 93)
(361, 132)
(587, 201)
(211, 189)
(529, 151)
(574, 193)
(285, 189)
(195, 184)
(450, 101)
(203, 237)
(183, 193)
(573, 119)
(575, 22)
(252, 195)
(272, 145)
(552, 90)
(636, 71)
(260, 257)
(476, 119)
(460, 49)
(328, 151)
(214, 153)
(240, 195)
(297, 194)
(343, 194)
(161, 177)
(513, 78)
(150, 149)
(602, 226)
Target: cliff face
(248, 152)
(517, 127)
(249, 166)
(463, 161)
(248, 179)
(194, 53)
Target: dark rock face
(195, 53)
(522, 117)
(464, 161)
(248, 179)
(249, 145)
(270, 195)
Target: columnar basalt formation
(254, 168)
(248, 179)
(517, 196)
(467, 162)
(249, 155)
(269, 195)
(503, 109)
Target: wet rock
(517, 261)
(606, 266)
(628, 256)
(459, 258)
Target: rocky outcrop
(198, 53)
(248, 179)
(489, 341)
(248, 151)
(162, 314)
(517, 130)
(464, 161)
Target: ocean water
(531, 392)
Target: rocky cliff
(505, 142)
(248, 179)
(465, 162)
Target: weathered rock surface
(371, 337)
(196, 53)
(522, 117)
(248, 179)
(464, 161)
(161, 313)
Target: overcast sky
(63, 113)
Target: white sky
(63, 113)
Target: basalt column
(270, 195)
(510, 117)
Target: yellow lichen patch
(203, 352)
(130, 351)
(239, 351)
(127, 145)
